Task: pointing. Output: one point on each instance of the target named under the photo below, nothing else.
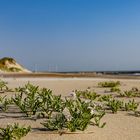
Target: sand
(120, 126)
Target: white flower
(27, 90)
(88, 89)
(87, 101)
(73, 94)
(91, 110)
(69, 118)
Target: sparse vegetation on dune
(134, 92)
(3, 60)
(80, 116)
(10, 65)
(105, 98)
(114, 105)
(87, 94)
(115, 89)
(14, 132)
(131, 105)
(63, 114)
(3, 86)
(109, 84)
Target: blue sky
(71, 35)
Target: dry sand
(120, 126)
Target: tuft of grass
(115, 105)
(115, 89)
(105, 98)
(27, 100)
(5, 102)
(109, 84)
(134, 92)
(87, 94)
(3, 86)
(131, 105)
(97, 120)
(56, 123)
(14, 132)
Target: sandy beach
(69, 70)
(120, 126)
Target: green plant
(115, 105)
(127, 94)
(28, 100)
(131, 105)
(79, 122)
(50, 103)
(97, 119)
(80, 116)
(4, 103)
(134, 92)
(87, 94)
(115, 89)
(14, 132)
(109, 84)
(105, 98)
(31, 100)
(56, 123)
(3, 86)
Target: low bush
(105, 98)
(3, 86)
(27, 100)
(109, 84)
(115, 105)
(131, 105)
(115, 89)
(97, 120)
(56, 123)
(134, 92)
(87, 94)
(50, 103)
(4, 103)
(80, 116)
(14, 132)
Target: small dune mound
(10, 65)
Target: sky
(71, 35)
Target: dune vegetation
(70, 114)
(10, 65)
